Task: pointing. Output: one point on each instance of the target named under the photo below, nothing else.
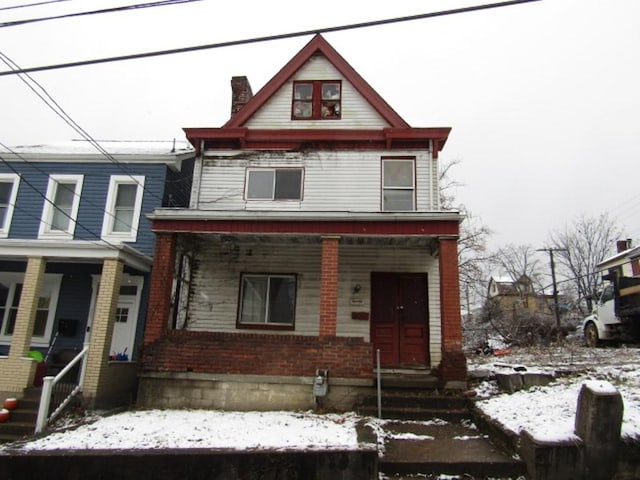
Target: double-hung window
(317, 100)
(398, 184)
(122, 211)
(267, 300)
(274, 184)
(60, 210)
(8, 193)
(10, 293)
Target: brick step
(412, 380)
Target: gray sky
(543, 98)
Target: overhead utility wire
(161, 3)
(60, 112)
(36, 4)
(267, 38)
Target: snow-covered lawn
(547, 412)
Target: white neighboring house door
(124, 328)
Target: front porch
(273, 306)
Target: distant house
(76, 253)
(519, 296)
(314, 238)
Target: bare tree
(517, 261)
(473, 255)
(580, 247)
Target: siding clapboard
(347, 181)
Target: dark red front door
(399, 318)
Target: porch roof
(311, 223)
(76, 251)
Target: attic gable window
(317, 100)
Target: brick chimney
(240, 93)
(622, 245)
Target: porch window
(122, 212)
(8, 193)
(274, 184)
(398, 185)
(10, 293)
(317, 100)
(267, 300)
(61, 206)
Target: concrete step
(412, 413)
(453, 448)
(22, 420)
(417, 399)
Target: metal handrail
(47, 390)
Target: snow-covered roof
(620, 258)
(83, 150)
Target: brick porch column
(17, 371)
(102, 327)
(453, 366)
(159, 308)
(329, 286)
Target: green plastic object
(36, 355)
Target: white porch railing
(61, 396)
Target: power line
(32, 4)
(160, 3)
(60, 112)
(268, 38)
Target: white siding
(357, 113)
(334, 181)
(216, 282)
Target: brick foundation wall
(257, 354)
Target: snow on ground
(159, 429)
(547, 412)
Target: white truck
(616, 313)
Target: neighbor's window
(10, 293)
(61, 206)
(398, 184)
(274, 184)
(267, 300)
(8, 192)
(122, 212)
(317, 100)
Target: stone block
(531, 379)
(552, 459)
(598, 424)
(509, 382)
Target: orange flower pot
(10, 403)
(4, 415)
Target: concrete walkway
(438, 447)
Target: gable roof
(317, 45)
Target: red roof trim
(317, 44)
(333, 227)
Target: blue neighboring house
(76, 253)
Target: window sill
(261, 326)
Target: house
(314, 239)
(76, 254)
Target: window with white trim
(267, 300)
(10, 292)
(122, 211)
(60, 210)
(8, 192)
(398, 185)
(274, 184)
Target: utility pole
(553, 279)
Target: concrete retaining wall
(191, 464)
(244, 392)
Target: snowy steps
(22, 420)
(450, 448)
